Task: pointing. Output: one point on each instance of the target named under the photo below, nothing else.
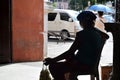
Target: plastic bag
(44, 74)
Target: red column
(27, 26)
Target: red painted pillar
(27, 26)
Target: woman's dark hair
(100, 13)
(87, 19)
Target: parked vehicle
(63, 23)
(109, 18)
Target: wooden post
(114, 28)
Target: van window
(51, 16)
(64, 16)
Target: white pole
(62, 4)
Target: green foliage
(82, 4)
(103, 1)
(54, 5)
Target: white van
(63, 23)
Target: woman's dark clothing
(87, 44)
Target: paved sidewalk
(25, 71)
(21, 71)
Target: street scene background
(55, 47)
(31, 70)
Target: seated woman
(87, 44)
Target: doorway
(5, 31)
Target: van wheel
(64, 35)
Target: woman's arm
(71, 50)
(65, 55)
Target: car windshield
(74, 15)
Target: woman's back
(90, 43)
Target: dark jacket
(87, 44)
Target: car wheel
(64, 35)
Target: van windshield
(74, 15)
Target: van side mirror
(70, 20)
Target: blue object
(101, 7)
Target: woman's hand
(48, 61)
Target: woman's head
(87, 19)
(100, 13)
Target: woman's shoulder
(80, 32)
(85, 31)
(103, 34)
